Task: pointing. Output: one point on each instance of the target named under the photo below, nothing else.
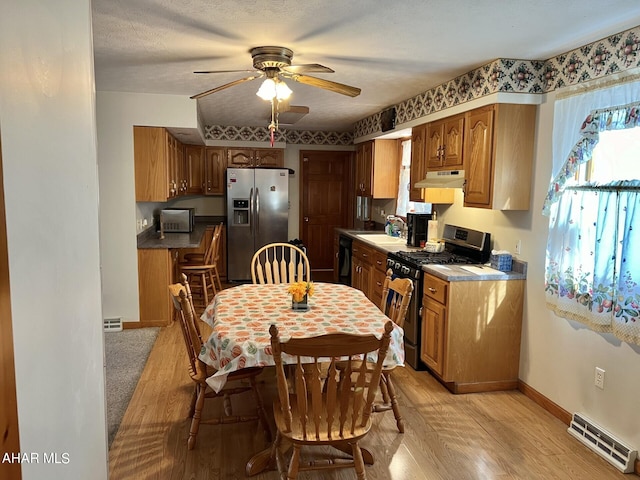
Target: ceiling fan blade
(326, 84)
(225, 71)
(309, 67)
(226, 85)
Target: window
(403, 204)
(592, 270)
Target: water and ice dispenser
(240, 211)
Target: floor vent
(603, 443)
(112, 324)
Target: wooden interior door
(324, 196)
(9, 438)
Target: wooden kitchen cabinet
(498, 156)
(156, 164)
(471, 333)
(361, 268)
(444, 144)
(255, 157)
(378, 275)
(194, 169)
(156, 270)
(418, 163)
(434, 315)
(368, 269)
(377, 169)
(214, 171)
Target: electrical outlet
(599, 378)
(518, 247)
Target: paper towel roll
(432, 230)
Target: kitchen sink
(382, 239)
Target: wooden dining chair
(337, 413)
(202, 270)
(396, 295)
(199, 372)
(280, 263)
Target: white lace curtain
(592, 269)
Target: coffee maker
(417, 225)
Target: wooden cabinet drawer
(436, 288)
(379, 261)
(362, 252)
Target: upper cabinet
(194, 167)
(498, 156)
(444, 145)
(215, 165)
(418, 164)
(156, 163)
(377, 163)
(250, 157)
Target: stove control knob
(398, 265)
(405, 270)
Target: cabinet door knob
(432, 290)
(306, 219)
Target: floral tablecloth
(241, 317)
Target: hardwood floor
(498, 435)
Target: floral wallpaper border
(261, 134)
(607, 56)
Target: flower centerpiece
(300, 292)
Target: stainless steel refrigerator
(257, 214)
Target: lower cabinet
(368, 270)
(471, 333)
(378, 275)
(156, 270)
(361, 267)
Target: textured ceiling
(391, 50)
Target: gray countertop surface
(151, 239)
(451, 273)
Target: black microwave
(417, 226)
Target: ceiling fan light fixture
(274, 88)
(267, 90)
(282, 90)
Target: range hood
(442, 179)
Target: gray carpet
(126, 354)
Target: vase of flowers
(300, 294)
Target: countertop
(150, 238)
(451, 273)
(462, 273)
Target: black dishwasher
(344, 260)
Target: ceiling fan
(274, 62)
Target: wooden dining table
(241, 316)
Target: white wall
(117, 113)
(47, 121)
(558, 357)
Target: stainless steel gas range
(461, 245)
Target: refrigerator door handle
(251, 211)
(257, 211)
